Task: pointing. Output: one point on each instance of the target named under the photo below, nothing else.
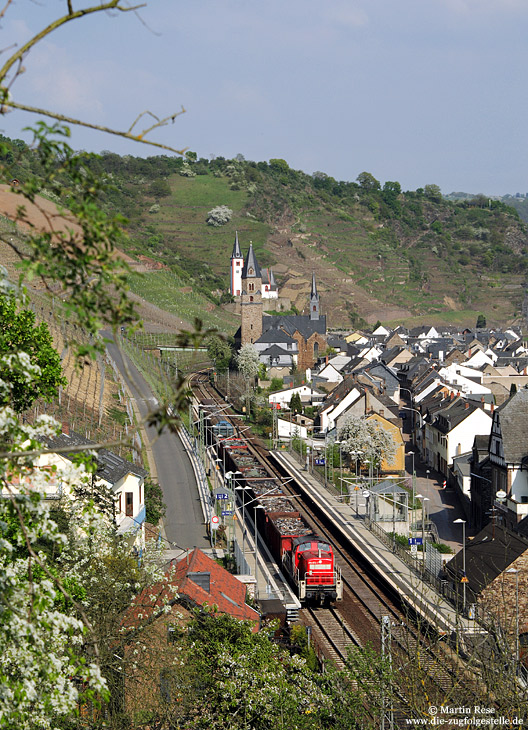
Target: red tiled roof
(225, 590)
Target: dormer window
(251, 271)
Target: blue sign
(320, 462)
(415, 541)
(227, 512)
(221, 496)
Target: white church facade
(269, 288)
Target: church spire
(251, 268)
(314, 300)
(237, 253)
(313, 294)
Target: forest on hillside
(413, 252)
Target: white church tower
(237, 264)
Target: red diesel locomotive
(307, 560)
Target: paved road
(183, 523)
(443, 505)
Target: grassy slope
(355, 261)
(377, 254)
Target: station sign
(227, 512)
(320, 461)
(415, 541)
(222, 495)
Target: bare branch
(127, 135)
(4, 9)
(12, 60)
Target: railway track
(336, 635)
(357, 620)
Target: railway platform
(418, 595)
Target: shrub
(219, 216)
(186, 170)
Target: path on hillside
(183, 522)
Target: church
(283, 341)
(269, 288)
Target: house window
(250, 299)
(129, 504)
(119, 505)
(251, 287)
(140, 490)
(524, 499)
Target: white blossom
(219, 216)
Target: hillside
(378, 252)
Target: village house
(123, 480)
(195, 582)
(452, 432)
(508, 455)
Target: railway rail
(357, 620)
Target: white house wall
(329, 417)
(460, 439)
(287, 429)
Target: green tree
(220, 352)
(295, 403)
(481, 322)
(154, 506)
(368, 181)
(433, 192)
(30, 367)
(391, 189)
(159, 189)
(279, 165)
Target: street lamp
(412, 453)
(462, 522)
(516, 572)
(339, 443)
(255, 508)
(243, 489)
(423, 501)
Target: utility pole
(387, 713)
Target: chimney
(66, 428)
(482, 399)
(492, 407)
(466, 405)
(382, 412)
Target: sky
(418, 91)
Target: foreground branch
(8, 103)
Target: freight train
(306, 559)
